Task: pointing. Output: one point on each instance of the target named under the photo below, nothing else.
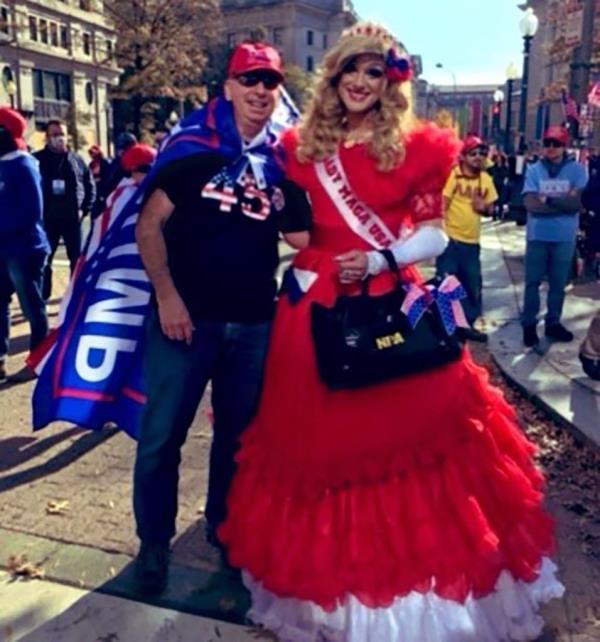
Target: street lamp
(528, 25)
(512, 73)
(439, 65)
(498, 100)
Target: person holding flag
(207, 235)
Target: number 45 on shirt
(225, 194)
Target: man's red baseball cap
(138, 155)
(555, 132)
(14, 124)
(254, 56)
(472, 142)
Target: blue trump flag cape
(90, 373)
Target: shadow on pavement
(83, 445)
(14, 451)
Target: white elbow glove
(426, 243)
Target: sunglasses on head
(479, 151)
(552, 142)
(253, 78)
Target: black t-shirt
(222, 239)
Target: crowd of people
(408, 509)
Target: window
(54, 34)
(33, 32)
(87, 44)
(4, 23)
(86, 5)
(310, 37)
(89, 93)
(310, 63)
(64, 36)
(278, 36)
(44, 31)
(325, 41)
(109, 50)
(51, 85)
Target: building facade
(302, 30)
(564, 61)
(57, 61)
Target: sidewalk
(549, 374)
(43, 611)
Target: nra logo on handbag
(389, 341)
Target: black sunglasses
(552, 142)
(479, 151)
(252, 78)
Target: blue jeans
(545, 258)
(231, 355)
(23, 275)
(462, 260)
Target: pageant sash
(359, 217)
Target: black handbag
(366, 339)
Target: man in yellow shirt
(469, 194)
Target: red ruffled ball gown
(406, 511)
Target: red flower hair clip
(398, 67)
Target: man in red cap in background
(552, 197)
(468, 195)
(23, 243)
(208, 235)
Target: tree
(162, 48)
(298, 83)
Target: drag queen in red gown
(410, 510)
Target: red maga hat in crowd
(555, 132)
(254, 56)
(472, 142)
(136, 156)
(14, 124)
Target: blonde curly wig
(323, 126)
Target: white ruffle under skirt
(507, 614)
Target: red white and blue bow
(447, 297)
(398, 67)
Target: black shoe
(24, 375)
(471, 334)
(2, 372)
(558, 332)
(530, 335)
(152, 567)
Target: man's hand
(479, 204)
(352, 266)
(175, 320)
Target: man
(99, 168)
(468, 195)
(208, 235)
(23, 243)
(552, 197)
(69, 194)
(115, 173)
(589, 351)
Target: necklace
(356, 137)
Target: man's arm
(553, 205)
(174, 317)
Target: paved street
(65, 510)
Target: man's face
(57, 138)
(553, 149)
(254, 95)
(476, 158)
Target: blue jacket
(21, 229)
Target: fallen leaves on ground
(20, 566)
(55, 507)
